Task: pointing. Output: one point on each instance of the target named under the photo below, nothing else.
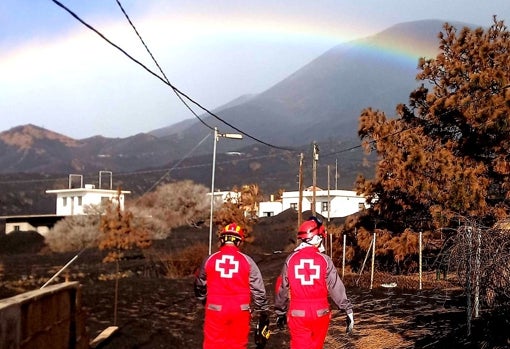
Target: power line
(408, 129)
(177, 164)
(166, 170)
(160, 69)
(176, 90)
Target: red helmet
(232, 232)
(322, 231)
(313, 226)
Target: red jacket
(230, 278)
(306, 279)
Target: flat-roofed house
(328, 203)
(70, 201)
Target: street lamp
(217, 135)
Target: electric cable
(405, 129)
(177, 164)
(141, 172)
(160, 69)
(58, 3)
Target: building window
(268, 214)
(79, 200)
(325, 206)
(293, 206)
(64, 201)
(16, 228)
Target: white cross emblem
(227, 266)
(307, 273)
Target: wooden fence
(48, 318)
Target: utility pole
(329, 199)
(300, 202)
(315, 159)
(336, 174)
(329, 214)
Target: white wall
(25, 226)
(270, 208)
(342, 203)
(68, 200)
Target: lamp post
(217, 135)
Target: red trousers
(308, 332)
(226, 328)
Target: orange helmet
(308, 229)
(232, 232)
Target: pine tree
(447, 153)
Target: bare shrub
(150, 220)
(183, 263)
(171, 205)
(119, 235)
(74, 233)
(480, 258)
(241, 208)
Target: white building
(220, 197)
(69, 202)
(328, 203)
(73, 201)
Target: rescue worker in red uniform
(227, 282)
(301, 298)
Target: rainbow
(231, 31)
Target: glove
(350, 323)
(262, 332)
(281, 321)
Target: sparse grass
(382, 339)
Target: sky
(58, 74)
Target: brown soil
(158, 312)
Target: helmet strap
(230, 238)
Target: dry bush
(394, 252)
(74, 233)
(119, 235)
(481, 255)
(183, 263)
(146, 218)
(170, 206)
(364, 239)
